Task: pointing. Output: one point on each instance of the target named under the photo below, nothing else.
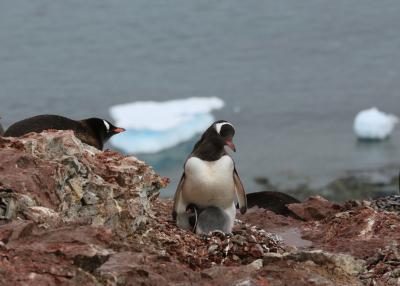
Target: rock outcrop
(71, 214)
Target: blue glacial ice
(154, 126)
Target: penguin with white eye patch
(209, 180)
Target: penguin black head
(103, 128)
(220, 133)
(226, 131)
(211, 145)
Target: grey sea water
(292, 73)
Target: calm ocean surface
(293, 74)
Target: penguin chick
(213, 219)
(92, 131)
(210, 178)
(210, 219)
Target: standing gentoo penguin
(92, 131)
(210, 178)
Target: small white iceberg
(373, 124)
(154, 126)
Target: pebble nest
(245, 244)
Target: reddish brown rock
(73, 215)
(358, 230)
(52, 177)
(361, 231)
(314, 208)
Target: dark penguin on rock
(92, 131)
(273, 201)
(210, 179)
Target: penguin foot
(218, 233)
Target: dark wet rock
(390, 203)
(273, 201)
(356, 184)
(360, 186)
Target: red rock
(314, 208)
(74, 215)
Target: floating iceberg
(154, 126)
(373, 124)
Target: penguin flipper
(177, 197)
(193, 218)
(240, 192)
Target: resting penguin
(273, 201)
(210, 178)
(92, 131)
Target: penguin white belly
(209, 183)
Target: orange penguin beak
(230, 144)
(118, 130)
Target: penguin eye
(107, 125)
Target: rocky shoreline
(354, 184)
(70, 214)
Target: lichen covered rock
(54, 178)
